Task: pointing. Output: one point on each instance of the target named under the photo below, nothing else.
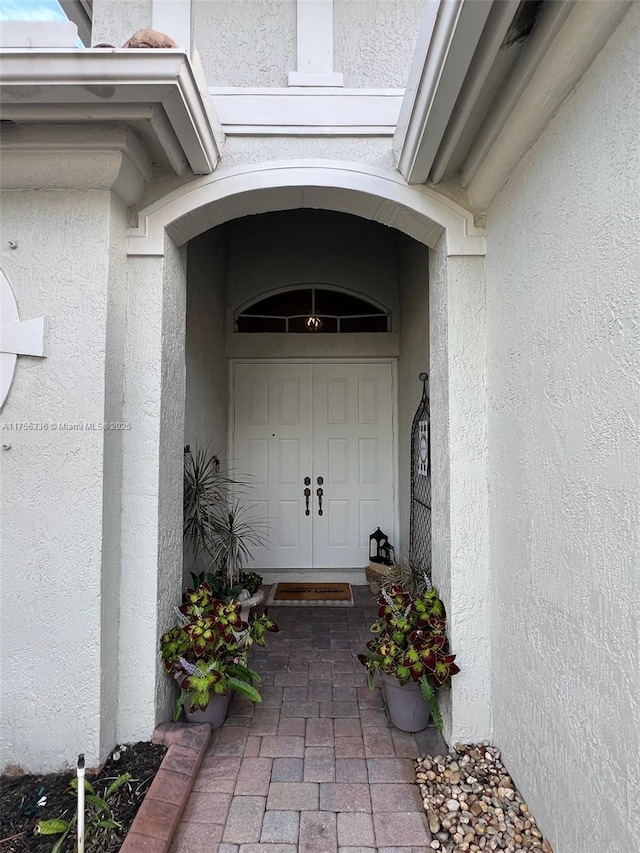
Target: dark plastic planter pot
(215, 713)
(407, 709)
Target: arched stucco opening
(157, 260)
(372, 193)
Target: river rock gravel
(472, 803)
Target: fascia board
(79, 12)
(163, 78)
(582, 36)
(552, 20)
(497, 26)
(440, 65)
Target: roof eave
(91, 84)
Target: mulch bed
(20, 795)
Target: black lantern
(380, 549)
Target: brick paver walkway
(316, 767)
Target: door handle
(319, 493)
(307, 495)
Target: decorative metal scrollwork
(420, 515)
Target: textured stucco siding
(372, 150)
(459, 483)
(374, 40)
(206, 400)
(439, 410)
(414, 359)
(562, 299)
(244, 151)
(112, 473)
(439, 400)
(52, 483)
(467, 337)
(245, 42)
(171, 461)
(152, 485)
(311, 247)
(114, 21)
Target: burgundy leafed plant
(412, 643)
(207, 651)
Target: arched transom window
(312, 309)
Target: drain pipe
(80, 775)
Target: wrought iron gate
(420, 518)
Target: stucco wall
(439, 410)
(207, 371)
(562, 303)
(458, 385)
(374, 40)
(170, 461)
(306, 247)
(245, 42)
(206, 401)
(242, 151)
(414, 358)
(373, 150)
(114, 21)
(152, 465)
(112, 485)
(52, 481)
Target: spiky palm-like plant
(218, 523)
(411, 574)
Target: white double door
(316, 440)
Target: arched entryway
(157, 280)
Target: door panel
(271, 443)
(322, 420)
(353, 453)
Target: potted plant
(411, 652)
(220, 528)
(206, 652)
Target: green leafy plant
(251, 581)
(207, 651)
(411, 644)
(219, 525)
(98, 819)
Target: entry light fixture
(313, 323)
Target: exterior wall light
(313, 323)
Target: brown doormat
(328, 594)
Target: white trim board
(302, 111)
(420, 212)
(314, 42)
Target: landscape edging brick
(168, 787)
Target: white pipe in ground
(80, 774)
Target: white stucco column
(152, 484)
(62, 427)
(460, 493)
(59, 474)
